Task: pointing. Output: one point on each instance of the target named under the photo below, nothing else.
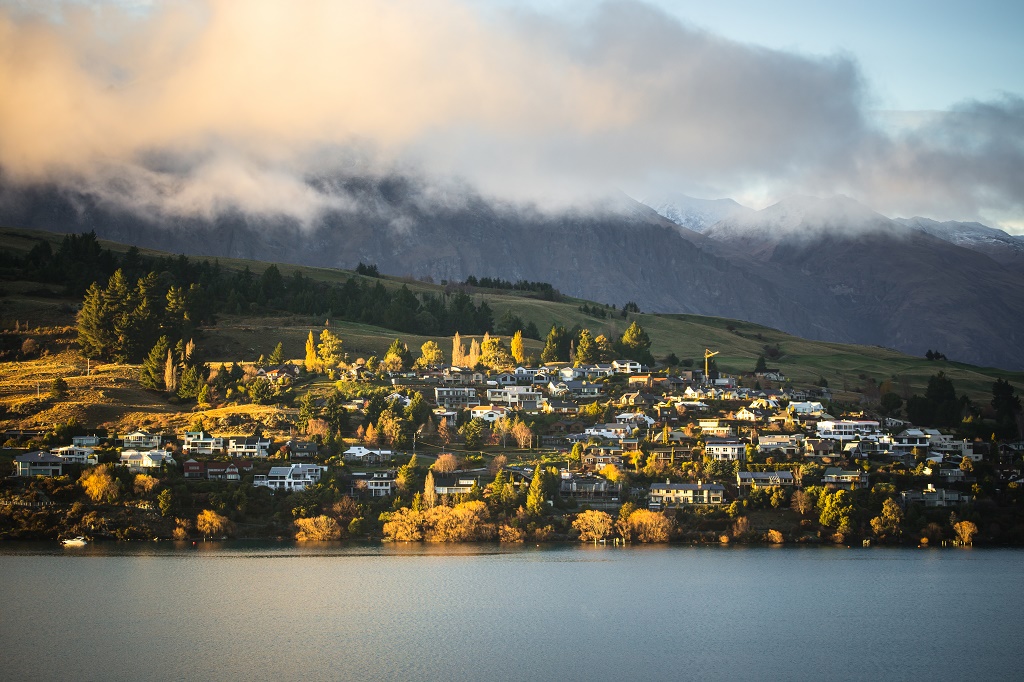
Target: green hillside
(846, 368)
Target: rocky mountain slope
(822, 270)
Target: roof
(688, 486)
(38, 457)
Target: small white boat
(74, 542)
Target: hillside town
(542, 451)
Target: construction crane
(708, 354)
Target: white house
(139, 461)
(249, 446)
(72, 454)
(764, 479)
(673, 495)
(141, 440)
(845, 480)
(609, 431)
(626, 367)
(294, 477)
(848, 429)
(365, 456)
(525, 398)
(489, 413)
(725, 449)
(788, 444)
(85, 441)
(634, 419)
(375, 483)
(201, 443)
(806, 408)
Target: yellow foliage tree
(100, 485)
(210, 523)
(145, 484)
(317, 529)
(516, 347)
(593, 525)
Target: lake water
(257, 611)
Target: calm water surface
(250, 611)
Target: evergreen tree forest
(130, 300)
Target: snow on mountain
(994, 243)
(806, 216)
(692, 213)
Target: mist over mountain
(827, 269)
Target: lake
(272, 611)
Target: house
(38, 463)
(193, 469)
(374, 483)
(489, 413)
(934, 497)
(441, 414)
(398, 398)
(634, 419)
(789, 445)
(764, 479)
(588, 487)
(525, 398)
(201, 443)
(609, 431)
(455, 397)
(626, 367)
(570, 373)
(561, 407)
(639, 399)
(673, 495)
(300, 449)
(279, 375)
(73, 454)
(819, 447)
(85, 441)
(227, 471)
(140, 461)
(848, 429)
(140, 440)
(845, 480)
(647, 380)
(365, 456)
(505, 379)
(249, 446)
(457, 376)
(294, 477)
(574, 389)
(600, 456)
(748, 414)
(726, 449)
(460, 482)
(946, 474)
(806, 408)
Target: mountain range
(826, 269)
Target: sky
(197, 106)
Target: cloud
(196, 107)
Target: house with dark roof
(674, 495)
(38, 463)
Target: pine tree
(329, 351)
(152, 373)
(535, 498)
(556, 348)
(277, 356)
(429, 491)
(95, 334)
(635, 344)
(516, 347)
(586, 349)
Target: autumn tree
(329, 351)
(429, 491)
(522, 434)
(144, 484)
(431, 355)
(397, 357)
(473, 358)
(445, 434)
(965, 532)
(458, 351)
(312, 359)
(494, 355)
(210, 523)
(320, 528)
(593, 525)
(605, 348)
(445, 463)
(888, 522)
(802, 502)
(516, 347)
(100, 485)
(649, 526)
